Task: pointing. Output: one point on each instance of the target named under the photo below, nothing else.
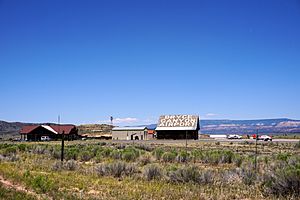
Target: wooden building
(178, 127)
(54, 132)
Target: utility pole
(256, 150)
(62, 146)
(62, 141)
(186, 141)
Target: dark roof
(57, 128)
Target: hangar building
(129, 133)
(178, 127)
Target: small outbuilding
(178, 127)
(54, 132)
(129, 133)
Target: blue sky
(136, 60)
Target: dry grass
(97, 170)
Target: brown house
(54, 132)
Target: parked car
(234, 137)
(265, 138)
(45, 138)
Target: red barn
(54, 132)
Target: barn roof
(56, 129)
(178, 122)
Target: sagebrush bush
(191, 174)
(144, 147)
(70, 165)
(249, 176)
(86, 156)
(116, 169)
(57, 166)
(152, 172)
(145, 159)
(283, 182)
(40, 149)
(10, 158)
(55, 153)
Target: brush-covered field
(108, 170)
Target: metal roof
(139, 128)
(178, 122)
(49, 129)
(56, 129)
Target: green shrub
(9, 193)
(10, 150)
(41, 184)
(105, 152)
(283, 156)
(22, 147)
(169, 157)
(116, 154)
(238, 160)
(216, 157)
(72, 153)
(197, 155)
(130, 154)
(157, 153)
(183, 156)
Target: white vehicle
(265, 138)
(45, 138)
(234, 137)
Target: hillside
(95, 129)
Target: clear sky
(135, 60)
